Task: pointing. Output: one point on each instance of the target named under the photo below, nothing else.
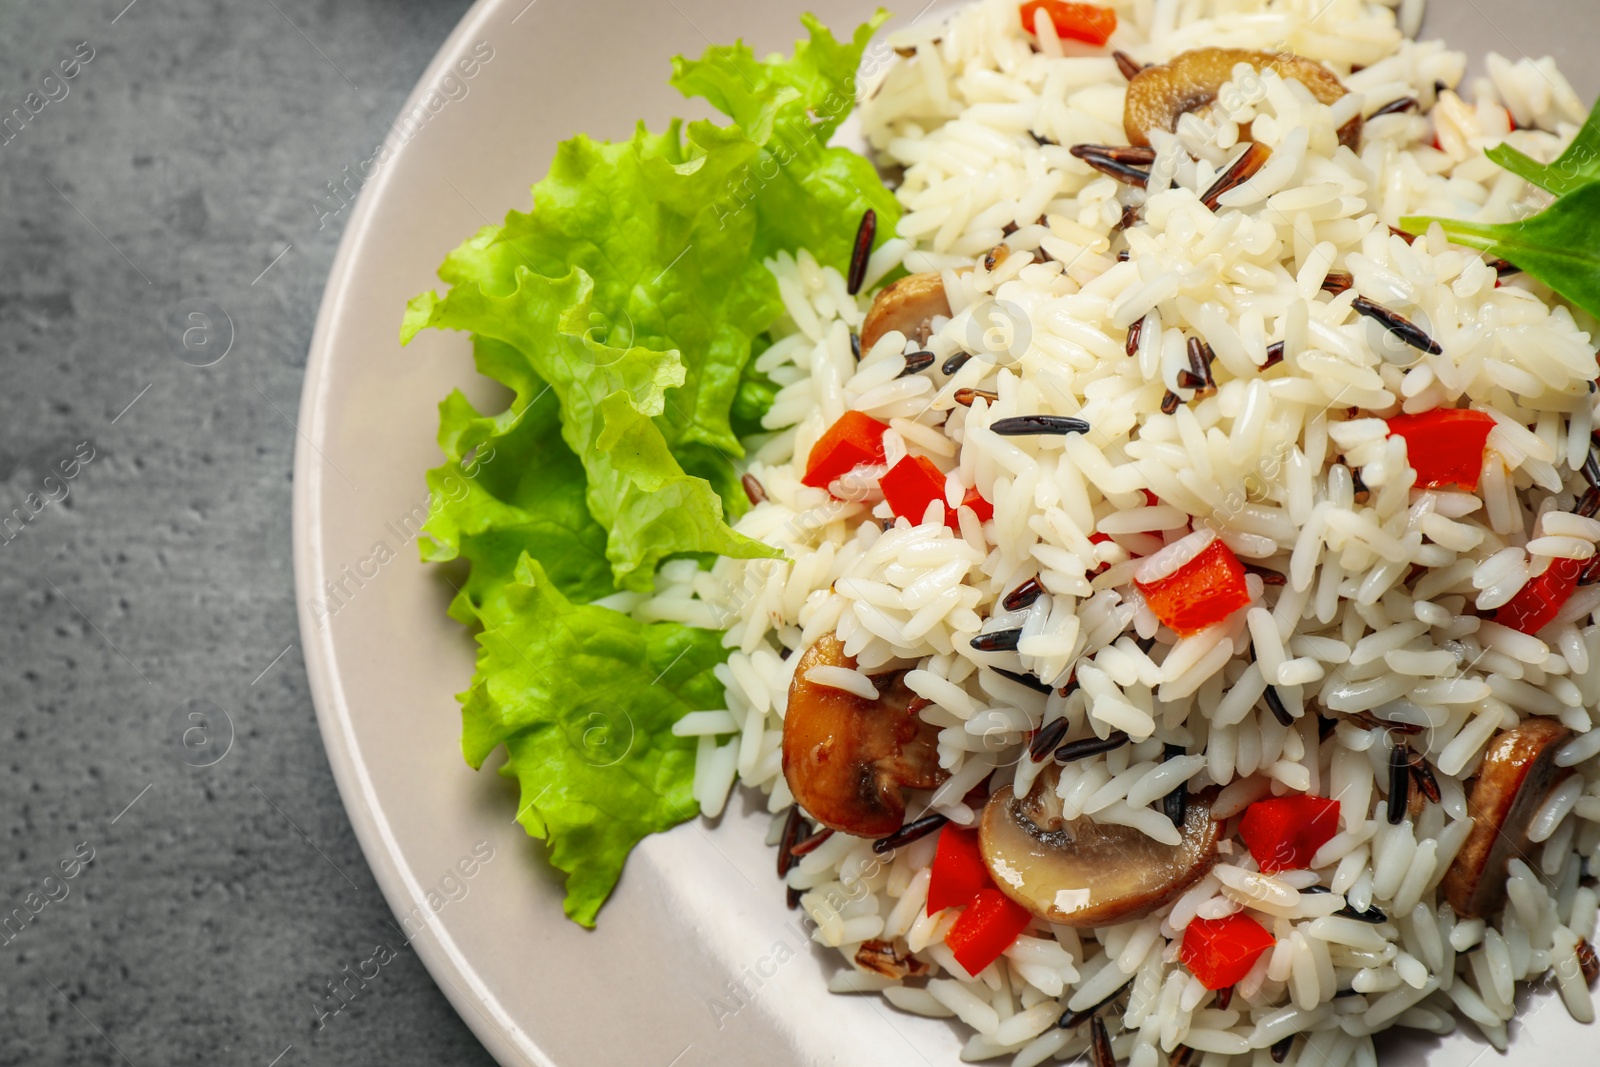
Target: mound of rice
(1371, 619)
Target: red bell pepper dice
(1089, 23)
(1539, 601)
(911, 485)
(980, 507)
(1202, 592)
(958, 870)
(853, 440)
(987, 928)
(1220, 952)
(1283, 833)
(914, 483)
(1444, 446)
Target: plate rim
(447, 965)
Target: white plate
(696, 961)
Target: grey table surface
(188, 159)
(144, 531)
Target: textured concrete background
(181, 165)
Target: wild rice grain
(1275, 705)
(965, 397)
(1399, 783)
(1588, 960)
(806, 846)
(753, 489)
(1129, 66)
(793, 827)
(955, 363)
(1370, 915)
(1023, 595)
(1422, 776)
(1090, 746)
(1176, 803)
(1071, 1020)
(1200, 357)
(1130, 155)
(911, 831)
(865, 234)
(1047, 739)
(1267, 577)
(997, 641)
(1024, 425)
(1396, 107)
(1122, 172)
(1025, 679)
(915, 363)
(1399, 325)
(1280, 1048)
(1100, 1042)
(1337, 281)
(1242, 170)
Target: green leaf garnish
(622, 312)
(584, 699)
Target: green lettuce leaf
(665, 273)
(510, 487)
(638, 492)
(806, 194)
(584, 699)
(817, 87)
(622, 312)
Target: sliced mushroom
(848, 759)
(1517, 774)
(1158, 96)
(1082, 873)
(908, 305)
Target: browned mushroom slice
(1158, 96)
(908, 305)
(1081, 873)
(1515, 778)
(848, 759)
